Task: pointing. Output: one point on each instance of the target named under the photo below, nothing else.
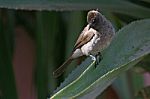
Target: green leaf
(41, 65)
(49, 31)
(143, 66)
(7, 78)
(122, 85)
(51, 21)
(128, 47)
(119, 6)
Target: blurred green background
(34, 43)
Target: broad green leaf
(41, 65)
(128, 47)
(51, 21)
(7, 78)
(118, 6)
(49, 31)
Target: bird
(95, 37)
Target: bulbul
(95, 37)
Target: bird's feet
(98, 59)
(93, 57)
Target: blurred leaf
(129, 45)
(53, 27)
(27, 19)
(144, 93)
(7, 79)
(137, 81)
(143, 66)
(148, 1)
(109, 93)
(118, 6)
(41, 66)
(123, 87)
(50, 21)
(50, 45)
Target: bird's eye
(94, 20)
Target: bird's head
(93, 19)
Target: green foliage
(54, 34)
(143, 66)
(117, 6)
(7, 79)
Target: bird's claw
(99, 57)
(96, 58)
(93, 57)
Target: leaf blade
(118, 6)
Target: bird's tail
(62, 68)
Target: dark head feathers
(92, 15)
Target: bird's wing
(84, 37)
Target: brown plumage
(83, 39)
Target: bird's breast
(91, 45)
(97, 44)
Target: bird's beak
(90, 25)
